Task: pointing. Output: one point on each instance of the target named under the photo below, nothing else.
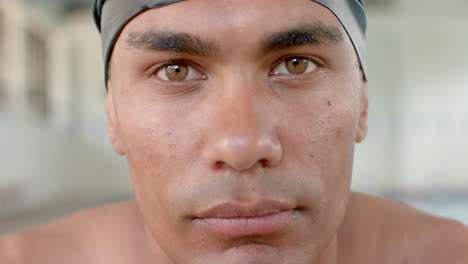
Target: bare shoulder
(73, 239)
(418, 237)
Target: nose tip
(244, 153)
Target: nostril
(218, 165)
(264, 162)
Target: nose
(243, 153)
(241, 133)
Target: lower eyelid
(163, 68)
(316, 75)
(314, 69)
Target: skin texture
(239, 133)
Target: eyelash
(285, 58)
(154, 70)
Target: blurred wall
(418, 84)
(55, 154)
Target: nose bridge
(241, 129)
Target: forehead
(241, 17)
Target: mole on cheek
(339, 132)
(329, 103)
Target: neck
(155, 253)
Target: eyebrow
(169, 41)
(315, 34)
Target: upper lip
(244, 210)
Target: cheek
(323, 145)
(159, 145)
(321, 138)
(325, 128)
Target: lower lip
(249, 226)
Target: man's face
(238, 119)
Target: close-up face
(238, 120)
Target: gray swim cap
(111, 16)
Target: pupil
(176, 72)
(297, 65)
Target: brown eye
(295, 65)
(178, 72)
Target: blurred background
(54, 153)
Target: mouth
(240, 220)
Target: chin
(254, 253)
